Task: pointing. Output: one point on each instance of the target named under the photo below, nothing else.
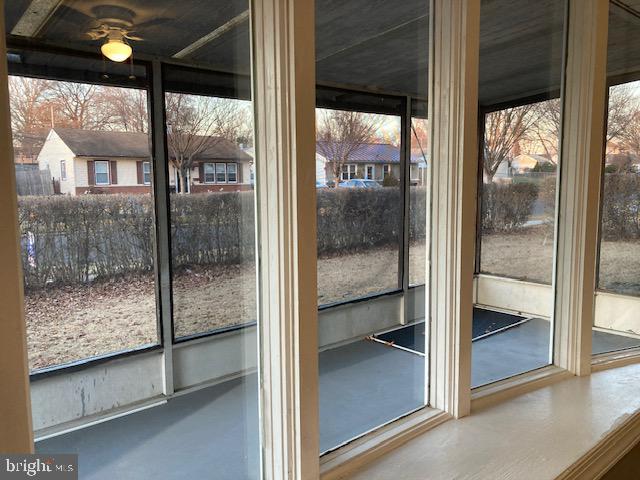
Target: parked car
(358, 183)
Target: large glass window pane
(616, 324)
(98, 249)
(419, 201)
(211, 213)
(88, 259)
(358, 222)
(370, 64)
(521, 66)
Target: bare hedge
(351, 219)
(69, 240)
(508, 206)
(621, 206)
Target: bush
(356, 219)
(507, 207)
(71, 240)
(621, 206)
(417, 214)
(390, 181)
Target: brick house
(85, 161)
(373, 161)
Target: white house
(86, 161)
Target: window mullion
(579, 196)
(163, 236)
(16, 432)
(453, 107)
(284, 96)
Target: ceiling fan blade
(154, 22)
(134, 37)
(96, 34)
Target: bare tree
(78, 105)
(545, 130)
(195, 124)
(622, 111)
(504, 129)
(340, 133)
(28, 98)
(128, 107)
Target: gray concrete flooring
(212, 433)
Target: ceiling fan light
(116, 50)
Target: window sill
(574, 429)
(362, 451)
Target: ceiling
(376, 45)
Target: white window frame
(218, 167)
(63, 170)
(386, 170)
(286, 222)
(108, 173)
(346, 169)
(235, 168)
(146, 166)
(366, 172)
(209, 166)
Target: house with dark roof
(86, 161)
(372, 161)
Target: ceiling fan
(117, 25)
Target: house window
(232, 173)
(386, 171)
(209, 173)
(349, 171)
(369, 173)
(102, 172)
(146, 173)
(63, 170)
(221, 173)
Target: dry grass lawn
(73, 323)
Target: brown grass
(73, 323)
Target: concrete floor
(212, 433)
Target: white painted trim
(500, 391)
(95, 173)
(615, 359)
(340, 463)
(373, 171)
(453, 107)
(607, 452)
(16, 433)
(284, 84)
(579, 189)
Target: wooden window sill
(577, 428)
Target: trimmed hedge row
(70, 240)
(621, 206)
(507, 206)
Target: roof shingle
(97, 143)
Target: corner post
(580, 176)
(453, 114)
(284, 101)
